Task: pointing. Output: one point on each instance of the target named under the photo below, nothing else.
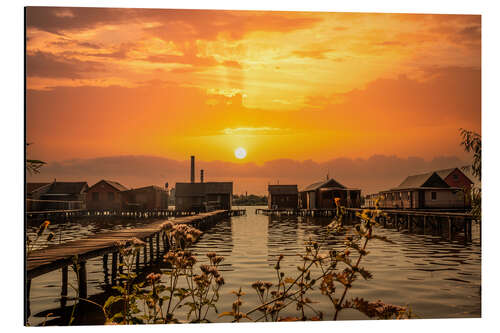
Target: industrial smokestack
(201, 176)
(192, 169)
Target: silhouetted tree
(33, 166)
(472, 144)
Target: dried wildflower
(43, 227)
(257, 284)
(152, 277)
(219, 280)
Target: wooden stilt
(151, 251)
(105, 268)
(64, 286)
(27, 293)
(449, 228)
(120, 266)
(410, 224)
(138, 259)
(158, 245)
(114, 259)
(469, 234)
(82, 279)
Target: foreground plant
(332, 272)
(32, 243)
(185, 286)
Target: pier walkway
(444, 223)
(59, 256)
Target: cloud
(375, 173)
(255, 131)
(314, 54)
(170, 24)
(45, 64)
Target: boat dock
(444, 223)
(103, 244)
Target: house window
(95, 196)
(455, 177)
(111, 196)
(433, 195)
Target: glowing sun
(240, 153)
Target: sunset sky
(130, 94)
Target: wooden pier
(444, 223)
(52, 215)
(104, 244)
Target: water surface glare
(436, 278)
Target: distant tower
(192, 169)
(201, 175)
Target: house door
(312, 200)
(421, 199)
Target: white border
(12, 125)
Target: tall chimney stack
(192, 169)
(201, 176)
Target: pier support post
(425, 222)
(151, 251)
(410, 224)
(27, 293)
(114, 259)
(138, 259)
(82, 279)
(64, 286)
(158, 245)
(105, 268)
(165, 243)
(469, 227)
(120, 266)
(449, 228)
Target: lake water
(436, 278)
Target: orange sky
(300, 86)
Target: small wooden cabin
(145, 198)
(65, 195)
(203, 196)
(105, 195)
(424, 191)
(321, 195)
(34, 191)
(282, 196)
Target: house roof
(31, 187)
(325, 183)
(67, 187)
(201, 189)
(282, 189)
(116, 185)
(467, 171)
(150, 187)
(430, 179)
